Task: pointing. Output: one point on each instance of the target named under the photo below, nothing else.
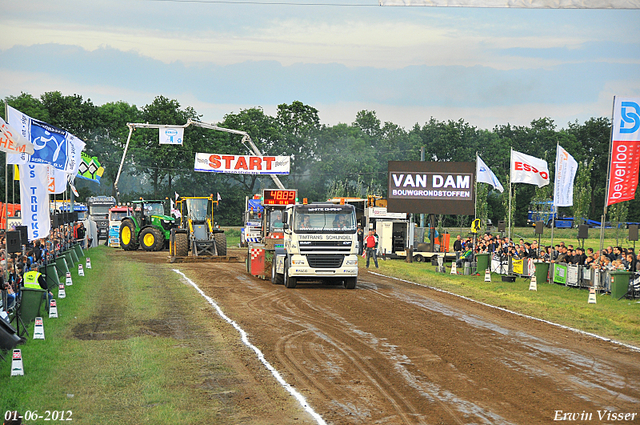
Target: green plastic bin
(61, 266)
(542, 271)
(619, 283)
(482, 262)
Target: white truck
(320, 243)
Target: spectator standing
(371, 243)
(360, 240)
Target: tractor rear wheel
(182, 244)
(150, 238)
(221, 243)
(128, 240)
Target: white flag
(57, 182)
(219, 198)
(485, 175)
(528, 169)
(52, 146)
(566, 168)
(34, 200)
(12, 141)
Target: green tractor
(196, 231)
(148, 227)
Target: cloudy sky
(486, 66)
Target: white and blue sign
(171, 135)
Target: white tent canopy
(529, 4)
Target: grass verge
(118, 353)
(609, 318)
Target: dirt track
(390, 352)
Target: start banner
(625, 150)
(242, 164)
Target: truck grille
(325, 261)
(330, 247)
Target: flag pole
(606, 193)
(5, 263)
(553, 204)
(475, 204)
(510, 178)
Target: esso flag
(528, 169)
(625, 150)
(242, 164)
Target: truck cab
(98, 207)
(319, 243)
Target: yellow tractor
(197, 232)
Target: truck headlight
(350, 262)
(298, 262)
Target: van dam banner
(431, 187)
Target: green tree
(582, 192)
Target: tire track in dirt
(392, 352)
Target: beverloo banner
(34, 200)
(242, 164)
(52, 146)
(566, 168)
(625, 150)
(528, 169)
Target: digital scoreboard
(279, 197)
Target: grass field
(117, 355)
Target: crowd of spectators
(611, 258)
(34, 255)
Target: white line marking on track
(259, 354)
(613, 341)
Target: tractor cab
(147, 227)
(198, 232)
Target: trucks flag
(51, 145)
(566, 168)
(34, 200)
(528, 169)
(242, 164)
(485, 175)
(625, 150)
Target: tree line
(337, 160)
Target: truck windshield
(118, 215)
(198, 209)
(100, 209)
(313, 219)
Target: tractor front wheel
(128, 240)
(151, 238)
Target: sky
(487, 66)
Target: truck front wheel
(275, 277)
(350, 282)
(289, 282)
